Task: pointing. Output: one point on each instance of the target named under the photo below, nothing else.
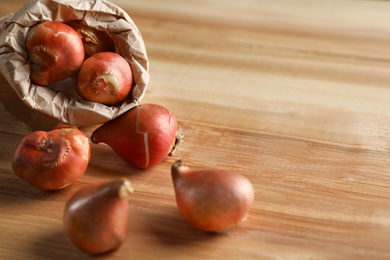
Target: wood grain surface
(295, 95)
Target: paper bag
(42, 107)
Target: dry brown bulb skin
(211, 200)
(94, 40)
(55, 52)
(96, 217)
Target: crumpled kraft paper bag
(42, 107)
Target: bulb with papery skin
(143, 136)
(55, 52)
(211, 200)
(106, 78)
(96, 217)
(52, 160)
(94, 40)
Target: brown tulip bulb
(96, 217)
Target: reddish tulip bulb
(52, 160)
(106, 78)
(143, 136)
(96, 217)
(211, 200)
(55, 52)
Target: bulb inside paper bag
(50, 106)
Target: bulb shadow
(15, 191)
(170, 229)
(49, 245)
(105, 161)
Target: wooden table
(295, 95)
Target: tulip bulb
(106, 78)
(55, 52)
(94, 41)
(96, 217)
(52, 160)
(211, 200)
(143, 136)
